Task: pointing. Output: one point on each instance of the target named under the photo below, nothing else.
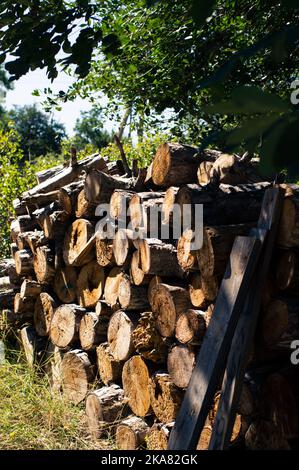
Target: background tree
(39, 133)
(89, 129)
(5, 85)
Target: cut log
(202, 290)
(55, 224)
(159, 258)
(44, 265)
(174, 164)
(131, 434)
(68, 196)
(287, 272)
(167, 303)
(99, 186)
(139, 278)
(105, 254)
(84, 208)
(43, 313)
(142, 207)
(168, 205)
(204, 173)
(187, 257)
(216, 248)
(33, 346)
(158, 436)
(13, 249)
(44, 175)
(180, 364)
(136, 380)
(7, 298)
(35, 239)
(77, 373)
(8, 268)
(68, 175)
(24, 306)
(191, 327)
(53, 368)
(264, 435)
(103, 310)
(121, 327)
(90, 284)
(122, 247)
(119, 204)
(105, 407)
(64, 329)
(132, 297)
(147, 341)
(112, 285)
(288, 231)
(24, 223)
(109, 369)
(39, 200)
(229, 169)
(76, 239)
(166, 398)
(93, 330)
(24, 263)
(65, 284)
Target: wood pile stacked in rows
(118, 322)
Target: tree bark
(90, 284)
(44, 265)
(166, 398)
(103, 310)
(8, 268)
(24, 263)
(68, 196)
(180, 364)
(158, 436)
(109, 369)
(132, 297)
(64, 329)
(77, 373)
(92, 330)
(99, 186)
(140, 207)
(159, 258)
(131, 434)
(24, 307)
(174, 164)
(136, 380)
(147, 341)
(121, 327)
(43, 313)
(65, 284)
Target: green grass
(31, 418)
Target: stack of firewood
(118, 321)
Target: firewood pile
(117, 322)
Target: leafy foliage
(89, 130)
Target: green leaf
(201, 10)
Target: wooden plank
(212, 356)
(244, 334)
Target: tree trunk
(159, 258)
(44, 265)
(99, 186)
(180, 364)
(84, 208)
(76, 240)
(132, 297)
(121, 327)
(202, 290)
(24, 263)
(65, 284)
(168, 205)
(287, 272)
(24, 306)
(68, 196)
(90, 284)
(77, 373)
(140, 208)
(33, 346)
(166, 398)
(137, 275)
(92, 331)
(119, 204)
(136, 380)
(174, 164)
(167, 303)
(158, 436)
(147, 341)
(187, 257)
(109, 369)
(204, 173)
(216, 248)
(64, 330)
(131, 434)
(105, 407)
(191, 327)
(112, 285)
(43, 314)
(105, 252)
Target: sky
(22, 94)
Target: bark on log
(136, 380)
(37, 200)
(43, 313)
(187, 257)
(24, 223)
(68, 196)
(65, 284)
(35, 240)
(103, 310)
(202, 290)
(131, 434)
(112, 285)
(24, 263)
(90, 284)
(76, 239)
(8, 268)
(142, 207)
(55, 224)
(64, 329)
(166, 398)
(121, 327)
(174, 164)
(137, 275)
(180, 364)
(158, 436)
(84, 208)
(159, 258)
(77, 373)
(92, 331)
(287, 272)
(33, 346)
(147, 341)
(167, 303)
(24, 306)
(109, 369)
(105, 407)
(44, 265)
(191, 327)
(132, 297)
(105, 252)
(99, 186)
